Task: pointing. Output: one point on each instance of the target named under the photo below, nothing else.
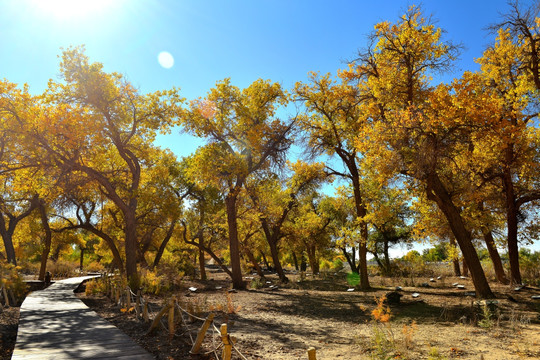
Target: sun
(71, 9)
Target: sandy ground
(283, 322)
(442, 322)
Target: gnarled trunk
(438, 193)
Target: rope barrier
(152, 313)
(239, 353)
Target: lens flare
(165, 59)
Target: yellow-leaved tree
(245, 136)
(416, 129)
(96, 127)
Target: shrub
(228, 304)
(95, 286)
(62, 269)
(256, 284)
(382, 338)
(434, 354)
(152, 283)
(11, 279)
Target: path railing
(172, 314)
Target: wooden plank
(55, 324)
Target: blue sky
(211, 40)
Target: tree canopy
(390, 156)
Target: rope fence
(172, 314)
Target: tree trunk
(295, 260)
(202, 267)
(46, 240)
(81, 258)
(455, 260)
(110, 243)
(265, 260)
(362, 248)
(379, 263)
(234, 249)
(200, 245)
(7, 230)
(275, 259)
(254, 262)
(312, 258)
(465, 268)
(512, 224)
(350, 259)
(163, 244)
(495, 258)
(362, 258)
(438, 193)
(10, 249)
(132, 273)
(303, 265)
(386, 257)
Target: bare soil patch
(9, 322)
(283, 322)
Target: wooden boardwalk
(55, 324)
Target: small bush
(11, 279)
(227, 305)
(231, 309)
(152, 283)
(62, 269)
(434, 354)
(487, 315)
(382, 338)
(256, 284)
(95, 286)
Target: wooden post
(190, 311)
(157, 319)
(201, 334)
(145, 312)
(227, 346)
(121, 294)
(116, 295)
(128, 299)
(138, 304)
(312, 353)
(171, 319)
(6, 299)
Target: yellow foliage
(382, 312)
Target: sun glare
(71, 9)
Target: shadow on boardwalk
(55, 324)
